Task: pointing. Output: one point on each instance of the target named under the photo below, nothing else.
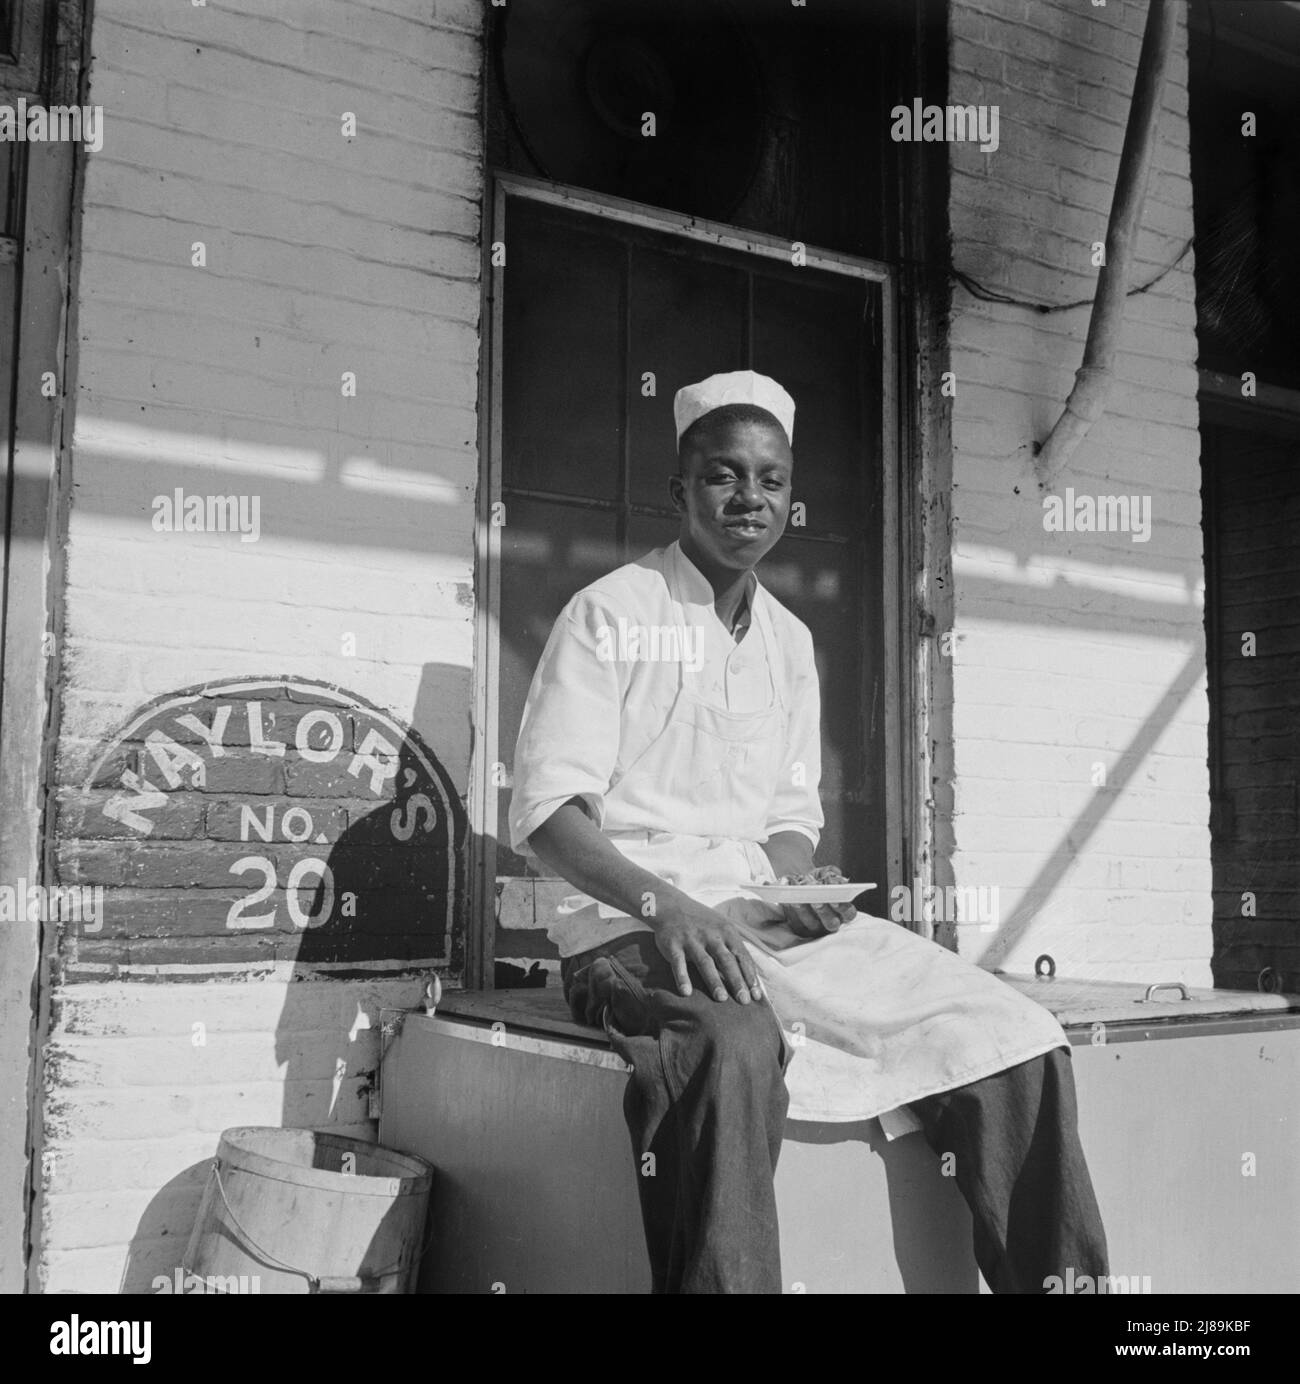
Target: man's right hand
(691, 934)
(688, 934)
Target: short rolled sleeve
(569, 736)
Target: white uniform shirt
(886, 1017)
(602, 693)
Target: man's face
(734, 493)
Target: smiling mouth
(746, 526)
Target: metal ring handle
(316, 1282)
(1165, 985)
(1051, 966)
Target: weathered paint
(33, 291)
(326, 254)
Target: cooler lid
(1077, 1002)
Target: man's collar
(695, 586)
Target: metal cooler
(1188, 1115)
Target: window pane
(821, 584)
(810, 334)
(645, 532)
(687, 322)
(562, 369)
(548, 552)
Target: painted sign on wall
(261, 824)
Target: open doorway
(680, 189)
(605, 310)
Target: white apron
(875, 1016)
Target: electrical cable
(990, 295)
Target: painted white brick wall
(1074, 650)
(324, 254)
(136, 1103)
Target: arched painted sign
(263, 824)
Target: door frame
(906, 678)
(46, 68)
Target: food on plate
(800, 922)
(819, 874)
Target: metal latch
(1149, 997)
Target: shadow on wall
(158, 1245)
(380, 921)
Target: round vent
(658, 101)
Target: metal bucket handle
(317, 1283)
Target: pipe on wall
(1092, 382)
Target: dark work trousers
(706, 1102)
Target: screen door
(603, 311)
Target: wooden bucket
(298, 1211)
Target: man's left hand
(817, 919)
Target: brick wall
(1078, 781)
(325, 252)
(1253, 485)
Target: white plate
(808, 893)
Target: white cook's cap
(735, 387)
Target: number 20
(237, 918)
